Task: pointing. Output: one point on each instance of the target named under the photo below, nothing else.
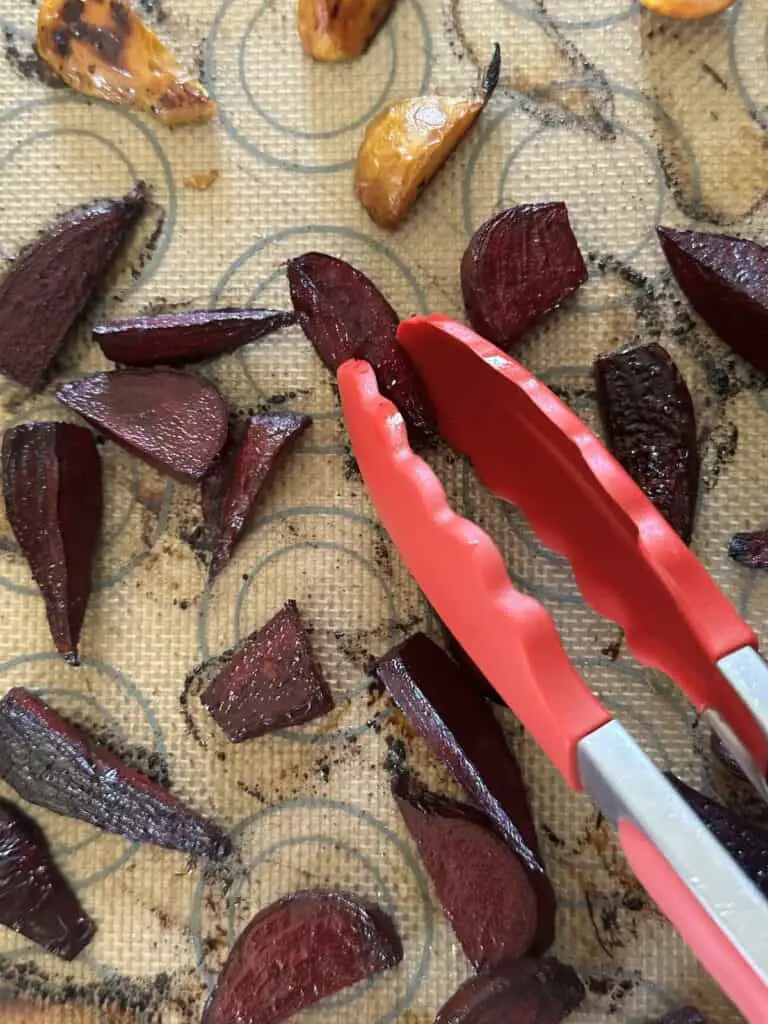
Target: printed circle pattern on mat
(569, 14)
(308, 843)
(749, 63)
(297, 123)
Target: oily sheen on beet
(53, 763)
(52, 281)
(345, 316)
(298, 951)
(450, 713)
(650, 425)
(35, 899)
(176, 338)
(271, 681)
(174, 420)
(53, 499)
(484, 890)
(519, 265)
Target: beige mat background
(629, 118)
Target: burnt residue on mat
(22, 57)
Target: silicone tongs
(528, 448)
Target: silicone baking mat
(632, 120)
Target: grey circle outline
(570, 24)
(758, 113)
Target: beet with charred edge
(271, 682)
(725, 279)
(298, 951)
(527, 992)
(345, 316)
(448, 711)
(174, 420)
(750, 549)
(55, 764)
(484, 890)
(747, 843)
(53, 500)
(35, 899)
(176, 338)
(651, 429)
(232, 488)
(52, 282)
(685, 1015)
(519, 265)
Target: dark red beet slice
(526, 992)
(35, 898)
(685, 1015)
(471, 671)
(345, 316)
(298, 951)
(750, 549)
(449, 712)
(233, 486)
(53, 500)
(746, 842)
(651, 429)
(272, 681)
(176, 421)
(174, 338)
(726, 281)
(482, 886)
(519, 265)
(55, 764)
(52, 281)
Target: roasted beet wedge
(176, 338)
(53, 500)
(298, 951)
(726, 281)
(519, 265)
(747, 843)
(51, 283)
(484, 890)
(174, 420)
(345, 316)
(449, 712)
(651, 429)
(272, 681)
(231, 489)
(750, 549)
(55, 764)
(526, 992)
(35, 898)
(685, 1015)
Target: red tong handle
(631, 566)
(511, 636)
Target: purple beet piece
(174, 420)
(35, 899)
(271, 682)
(53, 500)
(746, 842)
(519, 265)
(471, 671)
(298, 951)
(651, 428)
(53, 280)
(483, 888)
(345, 316)
(725, 279)
(526, 992)
(685, 1015)
(53, 763)
(175, 338)
(448, 711)
(232, 488)
(750, 549)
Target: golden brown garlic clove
(102, 48)
(689, 9)
(408, 142)
(339, 29)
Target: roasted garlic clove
(408, 142)
(340, 29)
(689, 9)
(102, 48)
